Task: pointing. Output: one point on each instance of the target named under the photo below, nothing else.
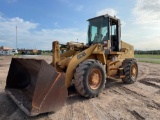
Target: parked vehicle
(8, 52)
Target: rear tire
(89, 78)
(130, 71)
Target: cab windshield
(98, 30)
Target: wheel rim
(134, 71)
(95, 79)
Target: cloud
(147, 11)
(148, 44)
(79, 8)
(8, 26)
(62, 35)
(29, 35)
(142, 29)
(109, 11)
(1, 18)
(2, 41)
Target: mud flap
(35, 86)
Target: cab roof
(103, 16)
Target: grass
(148, 58)
(46, 54)
(150, 61)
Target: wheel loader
(38, 87)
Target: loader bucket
(35, 86)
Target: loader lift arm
(62, 61)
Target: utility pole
(16, 37)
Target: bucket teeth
(35, 86)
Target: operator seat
(97, 38)
(105, 37)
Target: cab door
(115, 34)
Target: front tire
(89, 78)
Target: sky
(39, 22)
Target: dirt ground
(118, 101)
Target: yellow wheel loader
(37, 87)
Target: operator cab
(104, 28)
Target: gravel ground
(118, 101)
